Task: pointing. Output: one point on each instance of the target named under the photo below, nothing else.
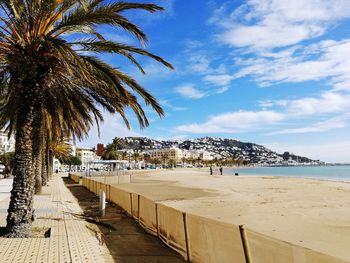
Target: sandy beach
(311, 213)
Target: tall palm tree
(46, 75)
(136, 156)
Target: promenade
(69, 239)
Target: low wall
(108, 179)
(75, 177)
(199, 239)
(213, 241)
(148, 215)
(171, 229)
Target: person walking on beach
(211, 170)
(221, 170)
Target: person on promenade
(221, 170)
(211, 170)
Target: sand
(311, 213)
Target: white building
(205, 156)
(178, 155)
(198, 154)
(173, 154)
(6, 144)
(86, 155)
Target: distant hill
(219, 148)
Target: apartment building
(6, 144)
(86, 155)
(174, 154)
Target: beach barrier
(121, 198)
(74, 177)
(267, 249)
(171, 229)
(135, 205)
(200, 239)
(148, 215)
(213, 241)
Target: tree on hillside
(50, 82)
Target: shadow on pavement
(126, 241)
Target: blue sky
(272, 72)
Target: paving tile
(71, 239)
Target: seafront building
(172, 154)
(99, 149)
(179, 156)
(86, 155)
(6, 144)
(198, 155)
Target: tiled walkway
(127, 242)
(71, 239)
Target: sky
(272, 72)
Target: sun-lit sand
(311, 213)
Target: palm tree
(61, 150)
(165, 159)
(136, 156)
(46, 75)
(147, 158)
(124, 155)
(109, 153)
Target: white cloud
(269, 35)
(232, 122)
(268, 24)
(322, 126)
(192, 44)
(199, 63)
(329, 60)
(219, 80)
(266, 103)
(327, 102)
(200, 60)
(190, 92)
(172, 107)
(222, 90)
(280, 111)
(112, 127)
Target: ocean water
(334, 173)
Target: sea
(332, 172)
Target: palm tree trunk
(37, 149)
(20, 211)
(50, 160)
(43, 163)
(47, 163)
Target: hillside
(219, 148)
